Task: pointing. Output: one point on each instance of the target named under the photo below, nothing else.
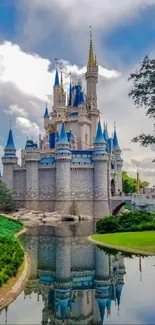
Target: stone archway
(113, 187)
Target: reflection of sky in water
(137, 299)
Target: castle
(75, 166)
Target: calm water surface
(75, 282)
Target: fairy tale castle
(76, 166)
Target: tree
(143, 95)
(7, 203)
(144, 184)
(130, 184)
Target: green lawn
(142, 241)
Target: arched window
(86, 138)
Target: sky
(34, 33)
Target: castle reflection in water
(77, 281)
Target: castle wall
(82, 183)
(82, 256)
(19, 184)
(47, 183)
(32, 186)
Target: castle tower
(46, 125)
(63, 161)
(100, 159)
(9, 161)
(102, 283)
(62, 93)
(32, 159)
(56, 89)
(119, 161)
(92, 79)
(81, 119)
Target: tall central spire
(56, 83)
(91, 60)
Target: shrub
(7, 203)
(11, 252)
(137, 221)
(11, 257)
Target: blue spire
(119, 288)
(46, 112)
(63, 136)
(99, 135)
(115, 141)
(70, 93)
(63, 303)
(102, 306)
(81, 101)
(56, 76)
(10, 143)
(57, 136)
(70, 136)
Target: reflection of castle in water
(78, 281)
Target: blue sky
(33, 33)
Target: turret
(63, 160)
(9, 161)
(56, 89)
(100, 158)
(32, 159)
(92, 79)
(119, 160)
(46, 118)
(106, 136)
(62, 93)
(70, 92)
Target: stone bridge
(138, 201)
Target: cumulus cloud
(27, 127)
(16, 110)
(101, 13)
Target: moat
(75, 282)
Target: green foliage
(128, 206)
(143, 95)
(11, 252)
(9, 226)
(126, 222)
(130, 184)
(11, 257)
(7, 203)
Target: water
(75, 282)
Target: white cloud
(27, 127)
(89, 12)
(16, 110)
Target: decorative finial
(106, 126)
(10, 124)
(90, 33)
(91, 61)
(114, 126)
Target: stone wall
(82, 256)
(82, 184)
(47, 183)
(19, 184)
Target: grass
(9, 226)
(142, 241)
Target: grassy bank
(142, 241)
(11, 252)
